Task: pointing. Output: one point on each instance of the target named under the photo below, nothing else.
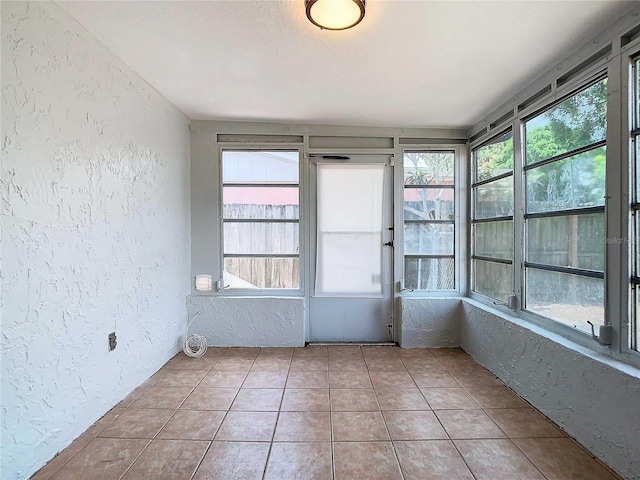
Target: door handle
(389, 244)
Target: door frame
(388, 254)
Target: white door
(352, 236)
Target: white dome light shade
(335, 14)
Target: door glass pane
(574, 182)
(261, 272)
(494, 239)
(494, 199)
(573, 241)
(428, 239)
(261, 238)
(565, 298)
(493, 279)
(429, 273)
(349, 226)
(259, 167)
(429, 203)
(576, 122)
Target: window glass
(429, 214)
(495, 158)
(429, 203)
(565, 298)
(578, 121)
(574, 182)
(429, 273)
(428, 239)
(493, 279)
(568, 241)
(494, 199)
(260, 214)
(494, 239)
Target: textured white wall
(248, 321)
(594, 399)
(430, 322)
(95, 232)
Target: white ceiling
(408, 64)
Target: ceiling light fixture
(335, 14)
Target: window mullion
(519, 199)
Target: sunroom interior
(512, 237)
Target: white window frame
(461, 172)
(302, 223)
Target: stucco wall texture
(594, 399)
(95, 232)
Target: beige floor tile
(371, 351)
(180, 378)
(59, 461)
(168, 460)
(242, 352)
(448, 398)
(431, 459)
(412, 425)
(103, 458)
(309, 379)
(401, 399)
(422, 364)
(233, 461)
(138, 423)
(349, 379)
(299, 461)
(266, 379)
(270, 364)
(224, 379)
(276, 352)
(523, 423)
(365, 461)
(132, 397)
(385, 364)
(462, 424)
(458, 363)
(305, 400)
(344, 350)
(182, 362)
(311, 351)
(398, 379)
(192, 425)
(258, 400)
(448, 352)
(434, 379)
(233, 363)
(476, 378)
(496, 397)
(347, 364)
(561, 458)
(358, 427)
(215, 351)
(303, 427)
(106, 420)
(496, 460)
(413, 352)
(304, 364)
(204, 398)
(162, 397)
(353, 400)
(247, 427)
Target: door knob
(389, 244)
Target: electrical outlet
(112, 341)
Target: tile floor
(323, 412)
